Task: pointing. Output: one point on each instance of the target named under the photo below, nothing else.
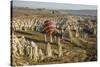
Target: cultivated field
(73, 40)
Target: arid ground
(74, 41)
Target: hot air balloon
(49, 27)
